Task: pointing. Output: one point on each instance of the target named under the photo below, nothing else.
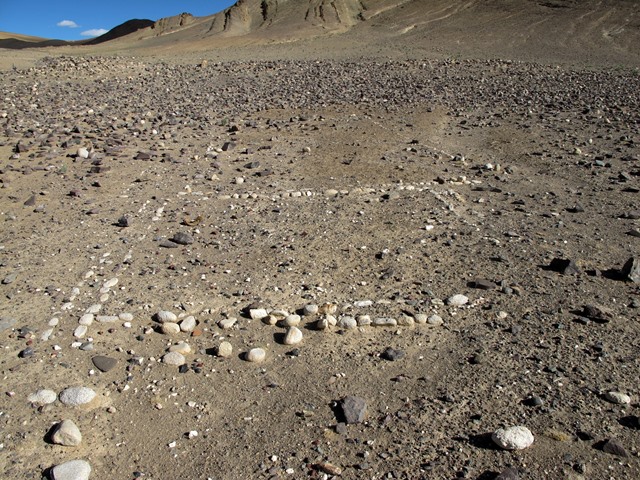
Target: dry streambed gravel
(131, 188)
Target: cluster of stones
(322, 317)
(548, 87)
(65, 432)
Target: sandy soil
(337, 178)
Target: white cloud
(94, 32)
(67, 23)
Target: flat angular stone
(104, 364)
(614, 447)
(168, 244)
(182, 238)
(564, 266)
(631, 270)
(483, 284)
(597, 313)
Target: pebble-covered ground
(287, 269)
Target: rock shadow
(630, 421)
(483, 441)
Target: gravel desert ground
(363, 255)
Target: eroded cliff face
(247, 16)
(171, 24)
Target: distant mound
(16, 41)
(126, 28)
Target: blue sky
(78, 19)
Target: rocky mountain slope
(594, 31)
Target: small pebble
(174, 358)
(73, 470)
(43, 397)
(95, 308)
(392, 354)
(614, 447)
(384, 322)
(618, 398)
(348, 323)
(258, 313)
(182, 239)
(76, 396)
(256, 355)
(513, 438)
(67, 433)
(227, 323)
(166, 316)
(182, 347)
(509, 474)
(457, 300)
(27, 352)
(354, 409)
(80, 331)
(224, 350)
(170, 328)
(188, 324)
(103, 363)
(421, 318)
(293, 336)
(291, 321)
(310, 309)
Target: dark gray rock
(564, 266)
(392, 354)
(182, 238)
(509, 474)
(483, 284)
(597, 313)
(353, 409)
(168, 244)
(104, 364)
(614, 447)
